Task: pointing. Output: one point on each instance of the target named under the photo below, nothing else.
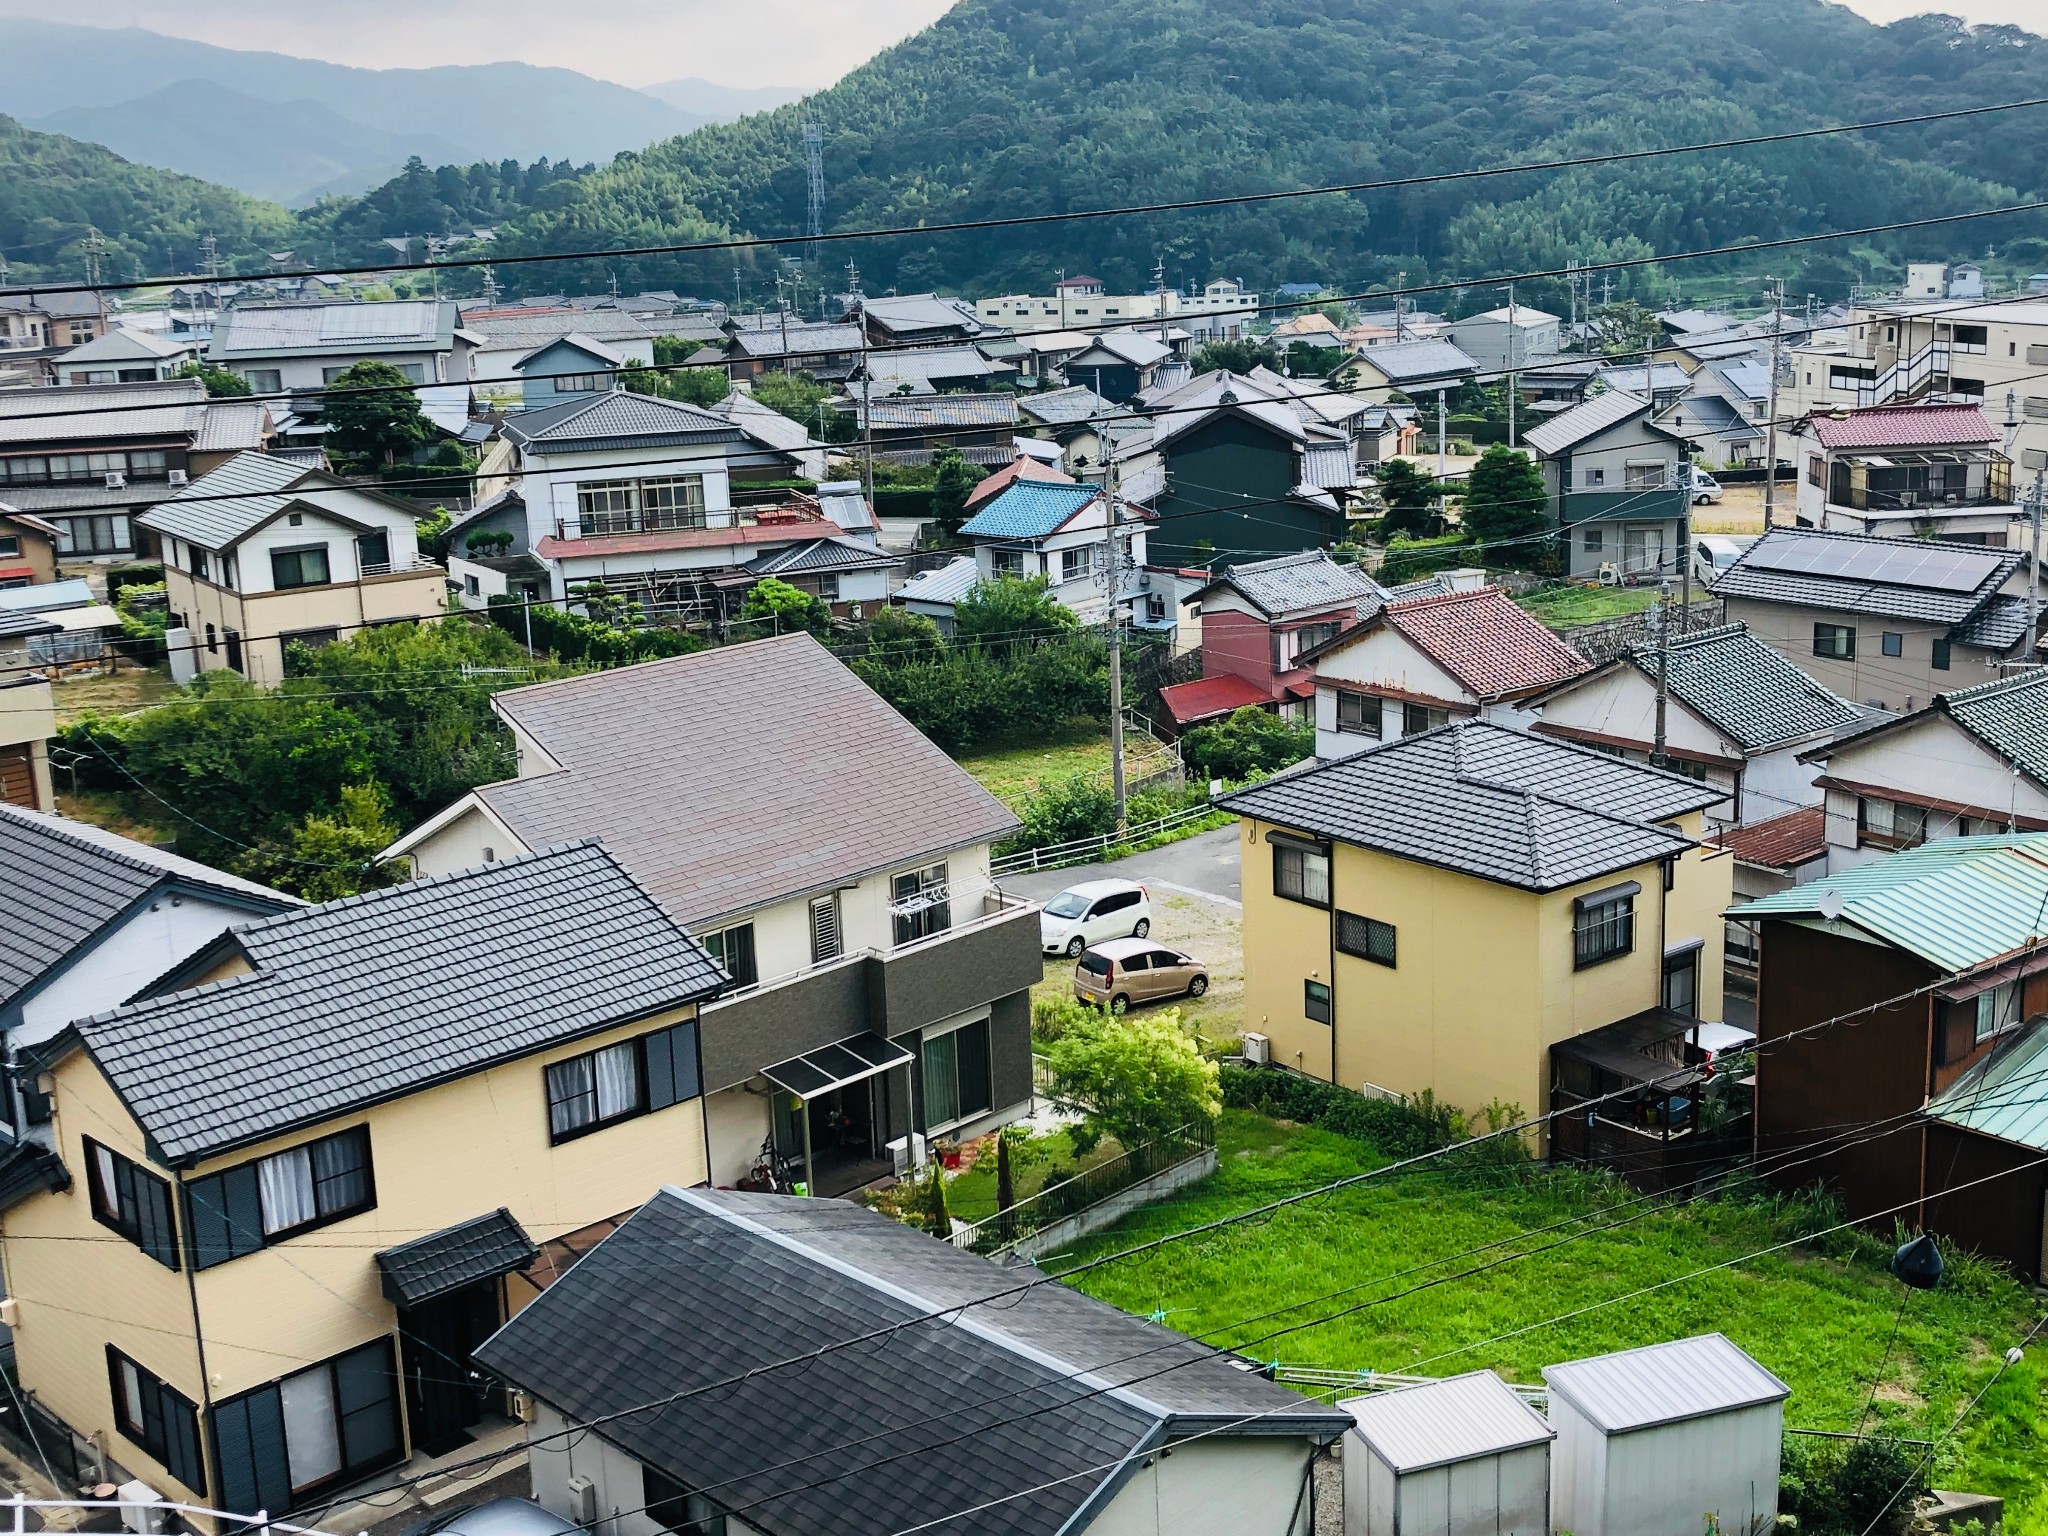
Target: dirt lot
(1209, 931)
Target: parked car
(1713, 553)
(1095, 910)
(1706, 490)
(1126, 971)
(496, 1517)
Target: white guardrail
(1090, 850)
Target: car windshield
(1066, 904)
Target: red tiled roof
(1487, 643)
(1208, 697)
(1017, 469)
(596, 547)
(1783, 842)
(1904, 426)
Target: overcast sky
(635, 42)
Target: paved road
(1204, 866)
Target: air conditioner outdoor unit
(177, 477)
(142, 1508)
(1258, 1049)
(1610, 574)
(908, 1154)
(116, 480)
(582, 1501)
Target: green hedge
(570, 638)
(1394, 1128)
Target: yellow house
(28, 719)
(268, 1212)
(1440, 911)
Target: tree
(373, 417)
(1235, 356)
(1625, 327)
(1248, 741)
(898, 631)
(952, 479)
(333, 854)
(938, 1220)
(1409, 495)
(220, 384)
(1136, 1079)
(1506, 507)
(786, 608)
(1010, 612)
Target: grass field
(1566, 607)
(1821, 1316)
(130, 688)
(1012, 773)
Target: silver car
(497, 1517)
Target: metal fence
(1069, 1197)
(1091, 850)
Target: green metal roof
(1956, 902)
(2001, 1095)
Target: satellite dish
(1830, 904)
(1918, 1263)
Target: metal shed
(1650, 1441)
(1461, 1457)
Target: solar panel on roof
(357, 322)
(1892, 562)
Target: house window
(1316, 1001)
(1358, 714)
(826, 940)
(373, 552)
(1682, 982)
(305, 567)
(471, 587)
(1366, 937)
(640, 506)
(195, 560)
(1006, 562)
(921, 903)
(579, 383)
(1604, 925)
(1594, 541)
(1892, 643)
(307, 1431)
(1642, 477)
(675, 501)
(828, 587)
(10, 546)
(954, 1068)
(212, 639)
(1417, 718)
(1816, 470)
(163, 1421)
(311, 1185)
(1886, 823)
(618, 1082)
(1834, 640)
(1301, 872)
(133, 1201)
(1309, 636)
(1974, 339)
(1076, 563)
(264, 381)
(733, 948)
(675, 1508)
(1996, 1010)
(1941, 655)
(1595, 479)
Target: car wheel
(1198, 986)
(1074, 947)
(1120, 1002)
(1144, 927)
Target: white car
(1086, 914)
(1706, 490)
(1714, 553)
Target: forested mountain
(1021, 106)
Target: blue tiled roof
(1029, 509)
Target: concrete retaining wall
(1107, 1213)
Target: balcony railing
(397, 567)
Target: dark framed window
(1892, 643)
(306, 567)
(1835, 640)
(373, 551)
(314, 1429)
(1604, 925)
(1941, 655)
(163, 1421)
(920, 903)
(954, 1068)
(1301, 872)
(733, 948)
(1316, 1001)
(1366, 937)
(1682, 982)
(131, 1200)
(1417, 718)
(675, 1508)
(310, 1185)
(1358, 714)
(619, 1082)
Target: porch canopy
(443, 1262)
(836, 1065)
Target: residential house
(28, 548)
(264, 553)
(1041, 355)
(1118, 365)
(933, 370)
(126, 357)
(1129, 1425)
(1411, 368)
(1935, 955)
(1744, 383)
(1662, 384)
(1771, 855)
(1580, 878)
(1426, 660)
(850, 576)
(1884, 622)
(1062, 533)
(288, 347)
(51, 624)
(1737, 715)
(1905, 472)
(94, 917)
(921, 319)
(571, 367)
(329, 1154)
(507, 336)
(1719, 430)
(1257, 619)
(936, 593)
(777, 447)
(751, 345)
(501, 562)
(882, 982)
(908, 429)
(1619, 486)
(38, 328)
(1506, 337)
(1972, 761)
(88, 458)
(1079, 420)
(1023, 467)
(28, 719)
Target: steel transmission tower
(814, 164)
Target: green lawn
(1820, 1317)
(1065, 751)
(972, 1195)
(1567, 607)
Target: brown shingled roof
(1493, 648)
(1783, 842)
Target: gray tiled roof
(1018, 1410)
(1999, 625)
(923, 312)
(1488, 801)
(481, 1248)
(94, 412)
(1300, 583)
(266, 330)
(232, 425)
(819, 555)
(1067, 407)
(1890, 579)
(1747, 689)
(1583, 422)
(2010, 716)
(387, 993)
(617, 418)
(62, 882)
(1420, 361)
(231, 502)
(722, 779)
(919, 367)
(910, 413)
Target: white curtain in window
(285, 1185)
(312, 1446)
(571, 1100)
(941, 1080)
(618, 1080)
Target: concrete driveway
(1204, 867)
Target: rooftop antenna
(814, 168)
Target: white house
(1061, 533)
(1618, 481)
(126, 357)
(1506, 337)
(1929, 470)
(308, 346)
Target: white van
(1713, 553)
(1706, 490)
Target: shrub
(1394, 1128)
(1053, 1015)
(1413, 559)
(1249, 741)
(1841, 1489)
(1134, 1079)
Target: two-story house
(1905, 472)
(1737, 715)
(1936, 955)
(284, 1194)
(1061, 532)
(123, 356)
(1425, 660)
(264, 553)
(920, 319)
(38, 328)
(1256, 621)
(1884, 622)
(1619, 486)
(28, 719)
(28, 548)
(752, 345)
(280, 347)
(570, 367)
(1045, 1413)
(88, 458)
(1117, 365)
(882, 980)
(1580, 878)
(1507, 337)
(1412, 369)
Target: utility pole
(1661, 625)
(1771, 411)
(1513, 380)
(2034, 578)
(1439, 434)
(1400, 309)
(94, 248)
(1113, 579)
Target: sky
(805, 43)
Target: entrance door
(445, 1392)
